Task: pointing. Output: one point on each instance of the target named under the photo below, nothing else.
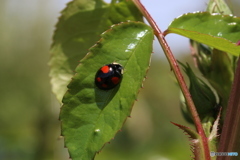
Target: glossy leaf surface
(90, 116)
(218, 31)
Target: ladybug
(109, 76)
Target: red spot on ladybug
(98, 79)
(104, 86)
(109, 76)
(115, 80)
(105, 69)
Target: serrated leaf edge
(80, 63)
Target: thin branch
(178, 74)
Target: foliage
(77, 30)
(215, 30)
(28, 116)
(90, 117)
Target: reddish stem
(229, 141)
(178, 74)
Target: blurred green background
(29, 126)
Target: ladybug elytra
(109, 76)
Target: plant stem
(178, 74)
(230, 141)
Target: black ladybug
(109, 76)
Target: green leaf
(220, 75)
(203, 97)
(90, 116)
(78, 28)
(218, 31)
